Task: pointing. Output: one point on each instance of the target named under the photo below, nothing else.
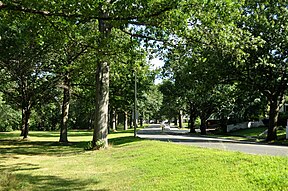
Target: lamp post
(135, 103)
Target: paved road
(181, 137)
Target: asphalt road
(154, 132)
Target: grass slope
(131, 164)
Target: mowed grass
(41, 163)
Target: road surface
(154, 132)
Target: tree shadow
(71, 133)
(40, 147)
(124, 140)
(25, 181)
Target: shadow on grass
(40, 147)
(9, 135)
(71, 133)
(21, 181)
(124, 140)
(50, 148)
(122, 131)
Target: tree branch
(143, 36)
(19, 8)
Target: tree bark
(125, 120)
(175, 121)
(193, 117)
(180, 119)
(26, 108)
(130, 122)
(116, 120)
(112, 119)
(65, 110)
(102, 99)
(102, 85)
(25, 130)
(203, 126)
(223, 123)
(273, 119)
(23, 122)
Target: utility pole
(135, 102)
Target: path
(181, 137)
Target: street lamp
(135, 103)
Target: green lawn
(131, 164)
(251, 132)
(256, 133)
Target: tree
(23, 58)
(265, 69)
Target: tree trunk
(102, 99)
(116, 120)
(25, 129)
(130, 121)
(175, 121)
(102, 85)
(125, 120)
(180, 119)
(65, 110)
(23, 122)
(113, 119)
(273, 118)
(203, 125)
(223, 123)
(193, 117)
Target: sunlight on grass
(131, 164)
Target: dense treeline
(73, 64)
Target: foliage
(223, 57)
(150, 104)
(9, 117)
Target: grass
(254, 135)
(251, 132)
(41, 163)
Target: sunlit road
(179, 136)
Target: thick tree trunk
(26, 108)
(26, 124)
(26, 112)
(273, 118)
(175, 121)
(203, 125)
(223, 124)
(102, 85)
(65, 111)
(102, 100)
(125, 120)
(193, 117)
(23, 122)
(180, 119)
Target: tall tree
(23, 57)
(265, 69)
